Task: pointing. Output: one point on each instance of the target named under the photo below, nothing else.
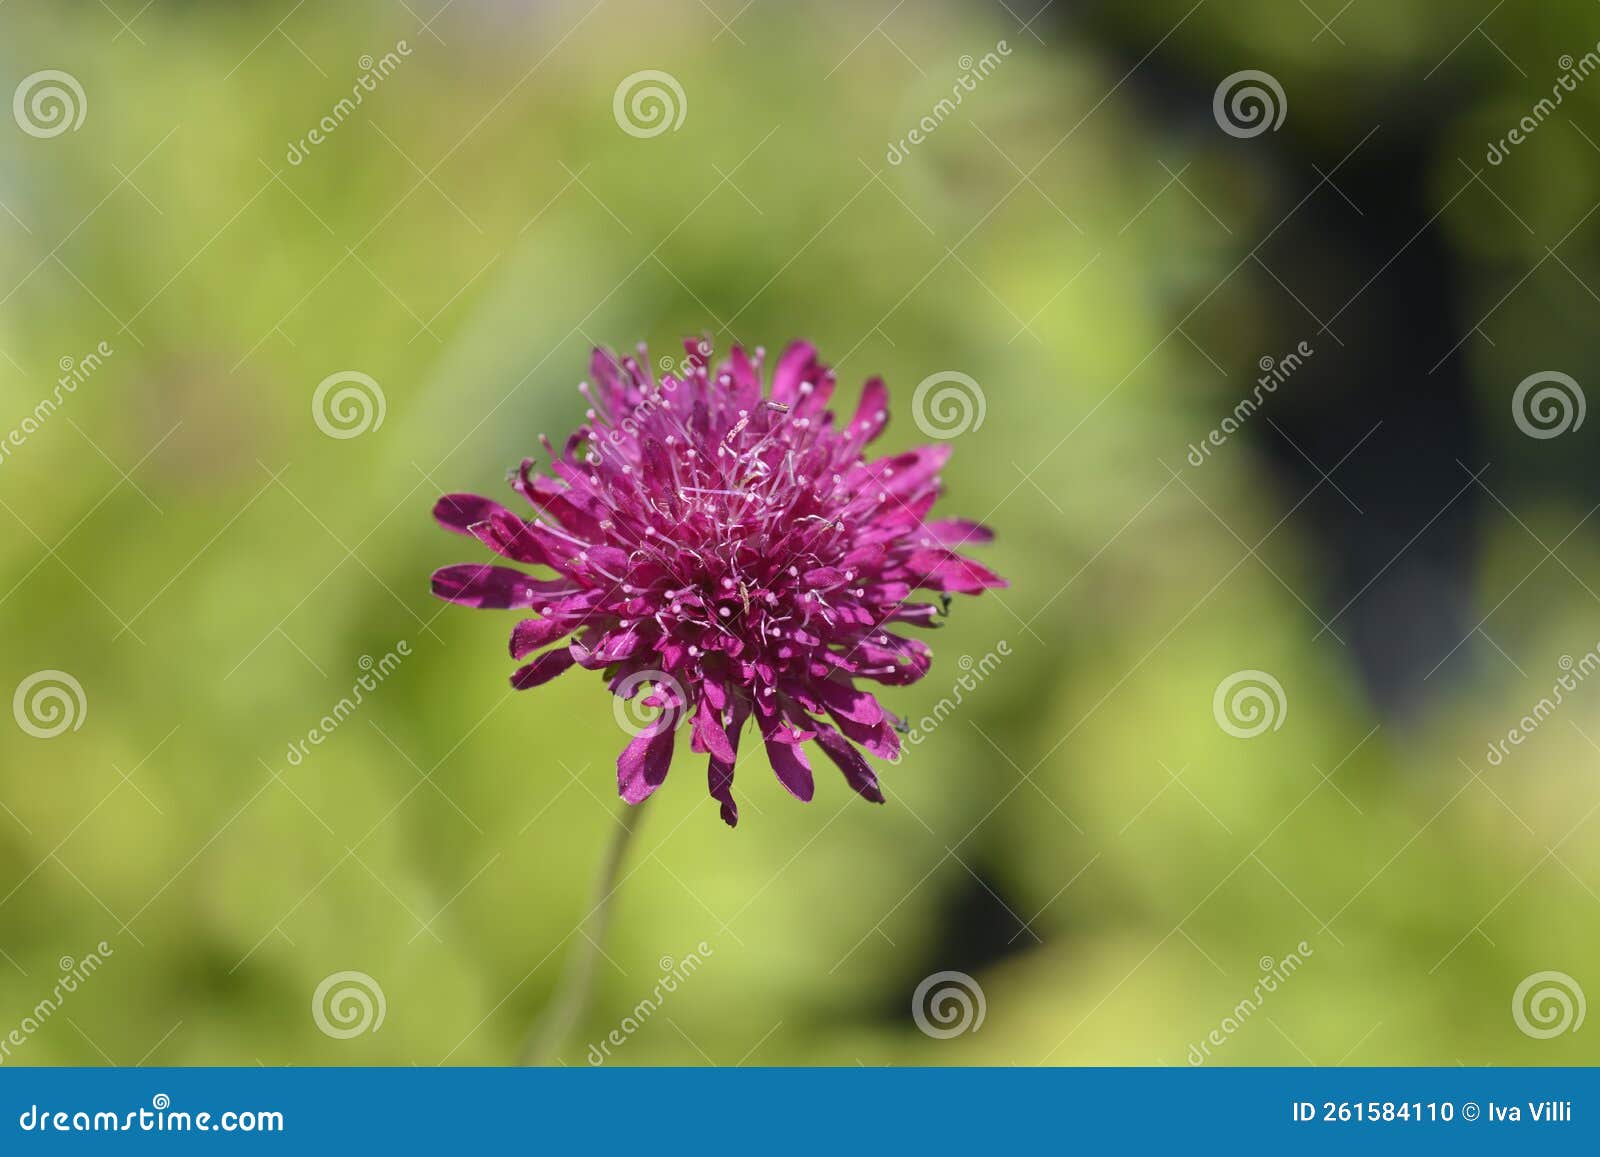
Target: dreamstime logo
(972, 71)
(1548, 404)
(1573, 673)
(948, 1004)
(666, 693)
(347, 1004)
(1274, 974)
(47, 703)
(1248, 702)
(955, 406)
(1547, 1004)
(681, 368)
(673, 973)
(1274, 372)
(348, 404)
(648, 103)
(1573, 73)
(1248, 103)
(74, 372)
(48, 103)
(372, 71)
(673, 371)
(373, 673)
(73, 973)
(975, 671)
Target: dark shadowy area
(1374, 423)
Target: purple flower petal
(543, 669)
(872, 415)
(955, 533)
(719, 780)
(857, 773)
(853, 704)
(531, 634)
(708, 733)
(719, 773)
(798, 364)
(458, 512)
(642, 766)
(509, 537)
(788, 760)
(475, 585)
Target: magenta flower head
(724, 552)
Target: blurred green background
(1082, 238)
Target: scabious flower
(735, 552)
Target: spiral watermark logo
(48, 703)
(160, 1101)
(1249, 702)
(348, 404)
(948, 1004)
(947, 404)
(49, 103)
(634, 715)
(347, 1004)
(1547, 1004)
(648, 103)
(1548, 404)
(1248, 103)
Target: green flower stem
(571, 999)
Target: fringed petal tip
(457, 512)
(483, 585)
(719, 775)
